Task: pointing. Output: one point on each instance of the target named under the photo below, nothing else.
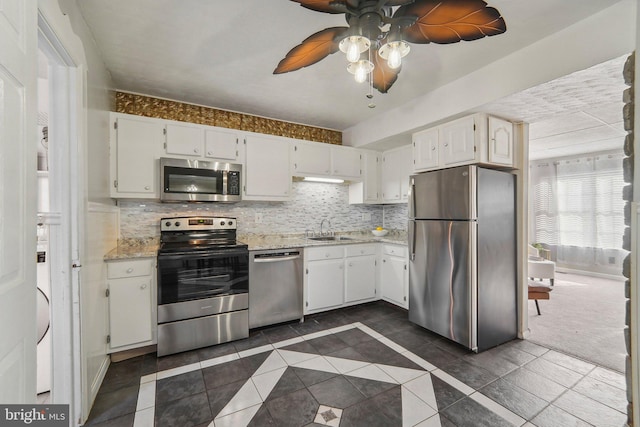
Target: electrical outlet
(259, 218)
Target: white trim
(95, 207)
(588, 273)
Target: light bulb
(395, 57)
(353, 50)
(361, 73)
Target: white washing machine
(43, 320)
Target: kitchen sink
(329, 238)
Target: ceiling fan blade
(399, 2)
(383, 76)
(327, 6)
(313, 49)
(450, 21)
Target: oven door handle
(276, 259)
(198, 255)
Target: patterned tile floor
(361, 366)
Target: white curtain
(578, 210)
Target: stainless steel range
(203, 284)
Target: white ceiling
(222, 54)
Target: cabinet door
(311, 159)
(267, 168)
(425, 149)
(392, 280)
(405, 172)
(500, 141)
(130, 311)
(138, 141)
(371, 161)
(360, 282)
(390, 182)
(345, 162)
(221, 144)
(457, 141)
(185, 140)
(325, 284)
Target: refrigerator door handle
(412, 197)
(412, 240)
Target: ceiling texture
(222, 54)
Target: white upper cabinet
(426, 149)
(458, 141)
(185, 139)
(267, 168)
(473, 139)
(346, 162)
(396, 169)
(318, 159)
(221, 144)
(500, 141)
(136, 144)
(311, 159)
(368, 190)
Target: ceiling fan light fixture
(393, 52)
(360, 69)
(353, 46)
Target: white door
(500, 141)
(221, 144)
(185, 140)
(312, 159)
(425, 149)
(18, 190)
(457, 141)
(325, 284)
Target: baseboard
(134, 352)
(97, 381)
(588, 273)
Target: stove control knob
(177, 223)
(221, 222)
(230, 222)
(168, 223)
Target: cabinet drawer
(399, 251)
(120, 269)
(360, 250)
(329, 252)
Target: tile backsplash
(311, 203)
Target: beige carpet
(583, 318)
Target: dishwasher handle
(264, 258)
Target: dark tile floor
(361, 366)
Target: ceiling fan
(380, 31)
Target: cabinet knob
(433, 148)
(326, 255)
(195, 150)
(129, 270)
(350, 264)
(143, 286)
(446, 145)
(146, 187)
(209, 153)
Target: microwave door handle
(225, 179)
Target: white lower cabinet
(394, 278)
(132, 308)
(336, 276)
(324, 278)
(360, 273)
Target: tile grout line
(141, 417)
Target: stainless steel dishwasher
(275, 286)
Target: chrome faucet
(321, 225)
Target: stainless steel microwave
(184, 180)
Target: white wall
(604, 36)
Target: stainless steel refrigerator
(462, 255)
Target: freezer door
(444, 194)
(441, 280)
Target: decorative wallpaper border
(148, 106)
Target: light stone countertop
(148, 248)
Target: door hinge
(405, 298)
(165, 145)
(164, 131)
(108, 339)
(375, 291)
(115, 125)
(475, 148)
(107, 293)
(307, 272)
(237, 153)
(307, 304)
(474, 126)
(295, 148)
(115, 183)
(405, 266)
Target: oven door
(188, 276)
